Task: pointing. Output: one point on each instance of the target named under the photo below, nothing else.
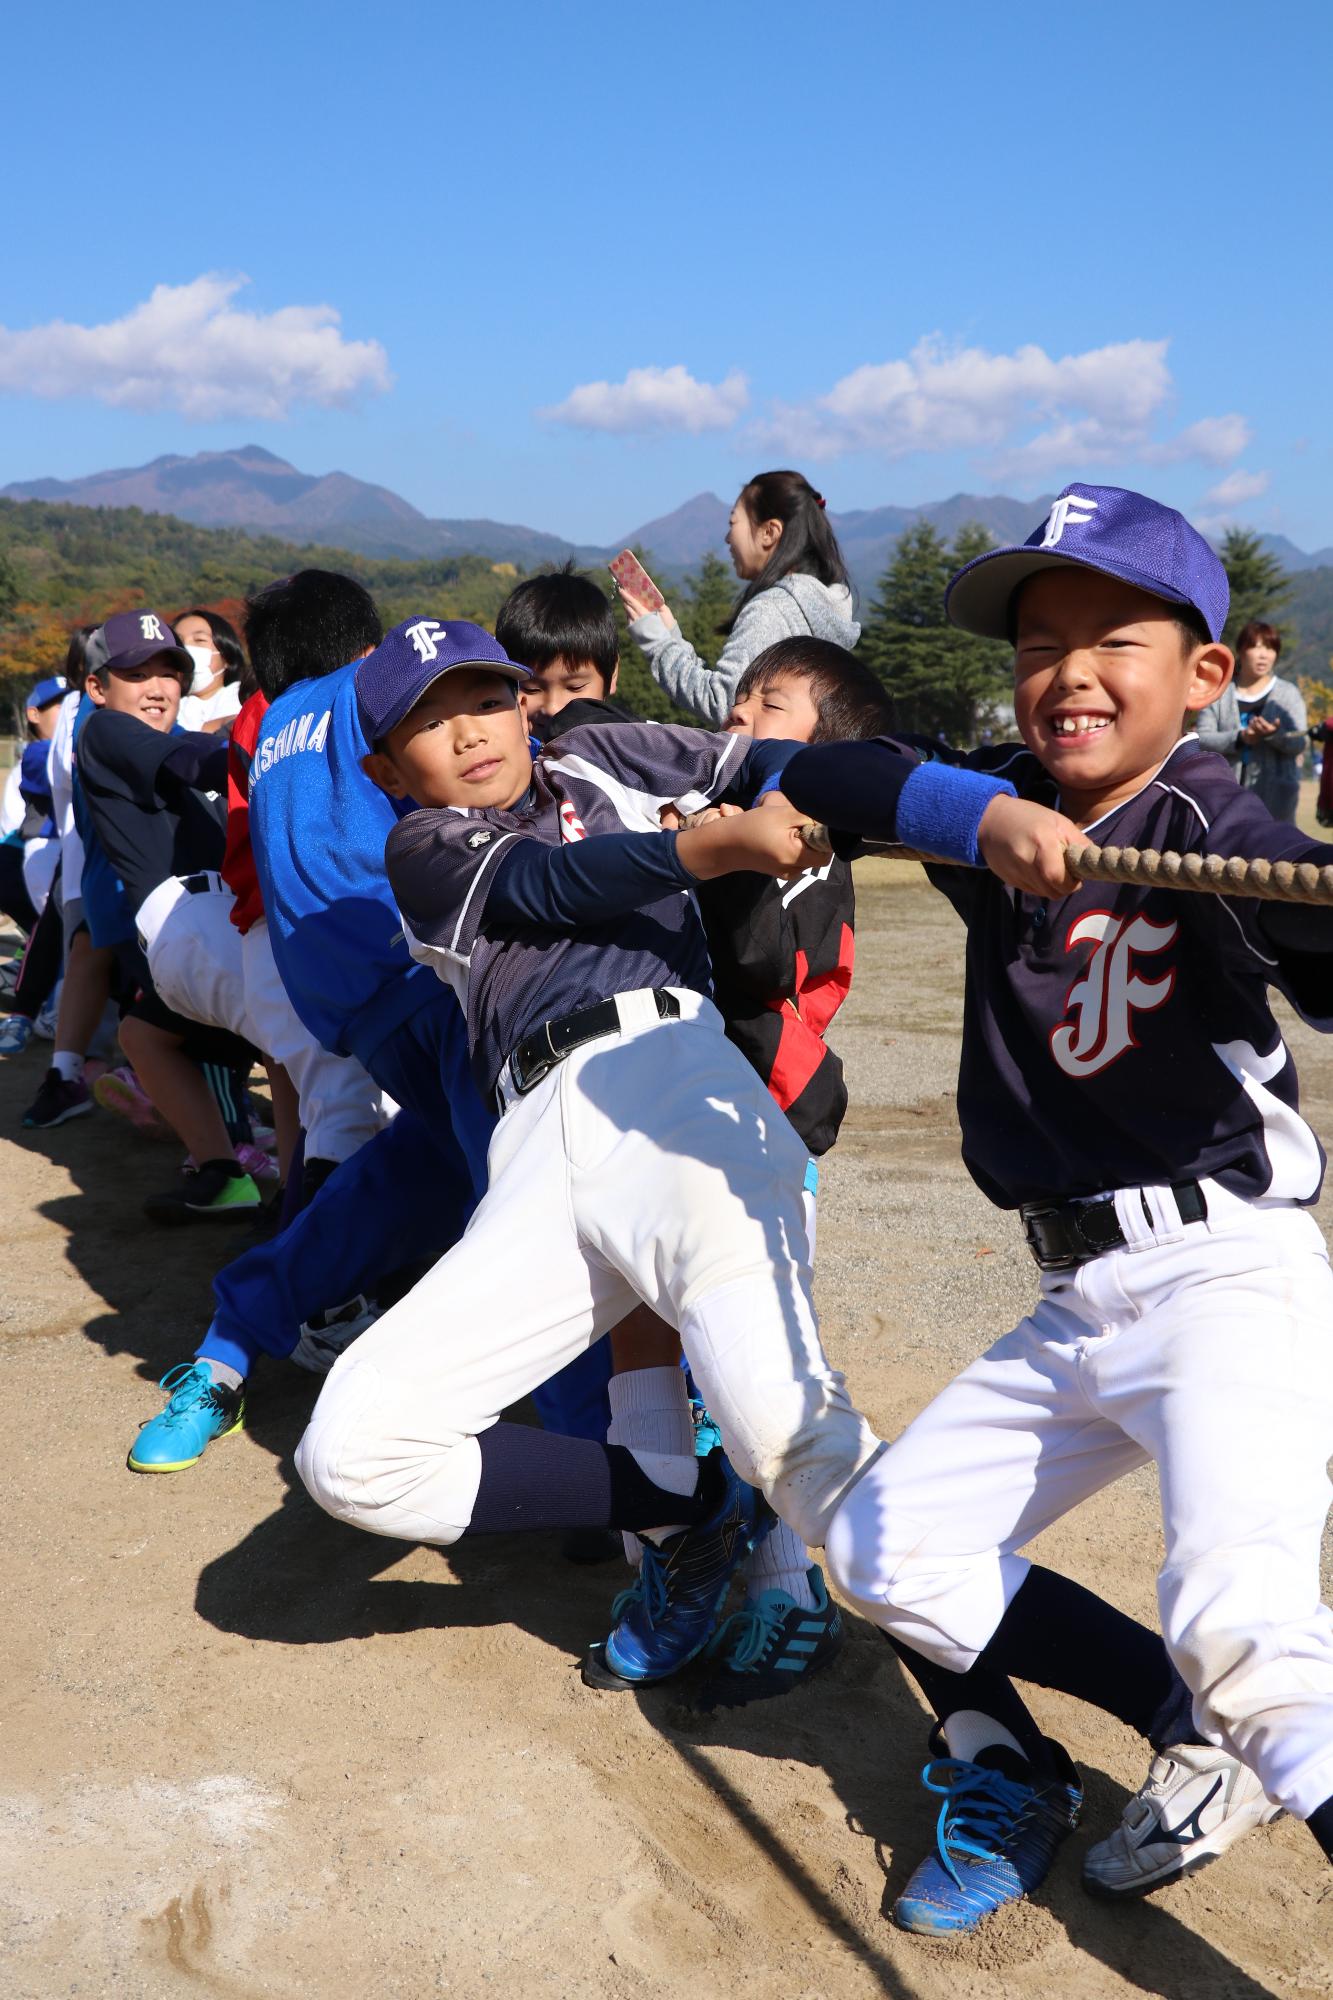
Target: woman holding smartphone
(796, 586)
(1259, 723)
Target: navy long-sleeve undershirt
(586, 882)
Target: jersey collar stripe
(1156, 778)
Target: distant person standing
(796, 587)
(1259, 723)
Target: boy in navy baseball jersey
(637, 1154)
(1125, 1087)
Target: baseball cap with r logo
(134, 637)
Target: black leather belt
(1065, 1233)
(538, 1053)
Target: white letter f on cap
(1063, 513)
(426, 635)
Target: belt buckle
(1031, 1218)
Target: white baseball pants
(205, 969)
(1205, 1346)
(341, 1104)
(653, 1165)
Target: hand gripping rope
(1206, 874)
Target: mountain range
(252, 489)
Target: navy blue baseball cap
(133, 637)
(1105, 528)
(54, 688)
(393, 678)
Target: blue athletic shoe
(669, 1614)
(995, 1838)
(198, 1410)
(770, 1646)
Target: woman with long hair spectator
(1259, 723)
(796, 587)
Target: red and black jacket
(782, 963)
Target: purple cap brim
(978, 599)
(407, 700)
(138, 656)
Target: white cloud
(1237, 488)
(187, 348)
(1028, 413)
(653, 399)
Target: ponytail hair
(807, 545)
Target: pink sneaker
(120, 1090)
(260, 1166)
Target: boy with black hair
(1125, 1087)
(562, 629)
(637, 1154)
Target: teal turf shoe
(198, 1410)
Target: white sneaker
(15, 1034)
(326, 1335)
(44, 1027)
(1195, 1803)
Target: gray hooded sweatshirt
(799, 607)
(1271, 768)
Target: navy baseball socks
(668, 1615)
(787, 1628)
(1195, 1803)
(206, 1400)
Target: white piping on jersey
(1290, 1146)
(1145, 786)
(451, 970)
(1013, 757)
(811, 875)
(638, 810)
(473, 886)
(1202, 816)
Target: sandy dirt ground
(247, 1751)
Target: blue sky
(579, 263)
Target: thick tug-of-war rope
(1207, 874)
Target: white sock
(968, 1732)
(650, 1416)
(230, 1378)
(69, 1064)
(781, 1562)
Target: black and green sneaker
(217, 1191)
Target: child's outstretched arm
(878, 791)
(586, 883)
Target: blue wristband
(940, 809)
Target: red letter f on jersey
(1104, 994)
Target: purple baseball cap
(42, 693)
(1105, 528)
(132, 637)
(393, 678)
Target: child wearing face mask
(214, 696)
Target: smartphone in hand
(631, 575)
